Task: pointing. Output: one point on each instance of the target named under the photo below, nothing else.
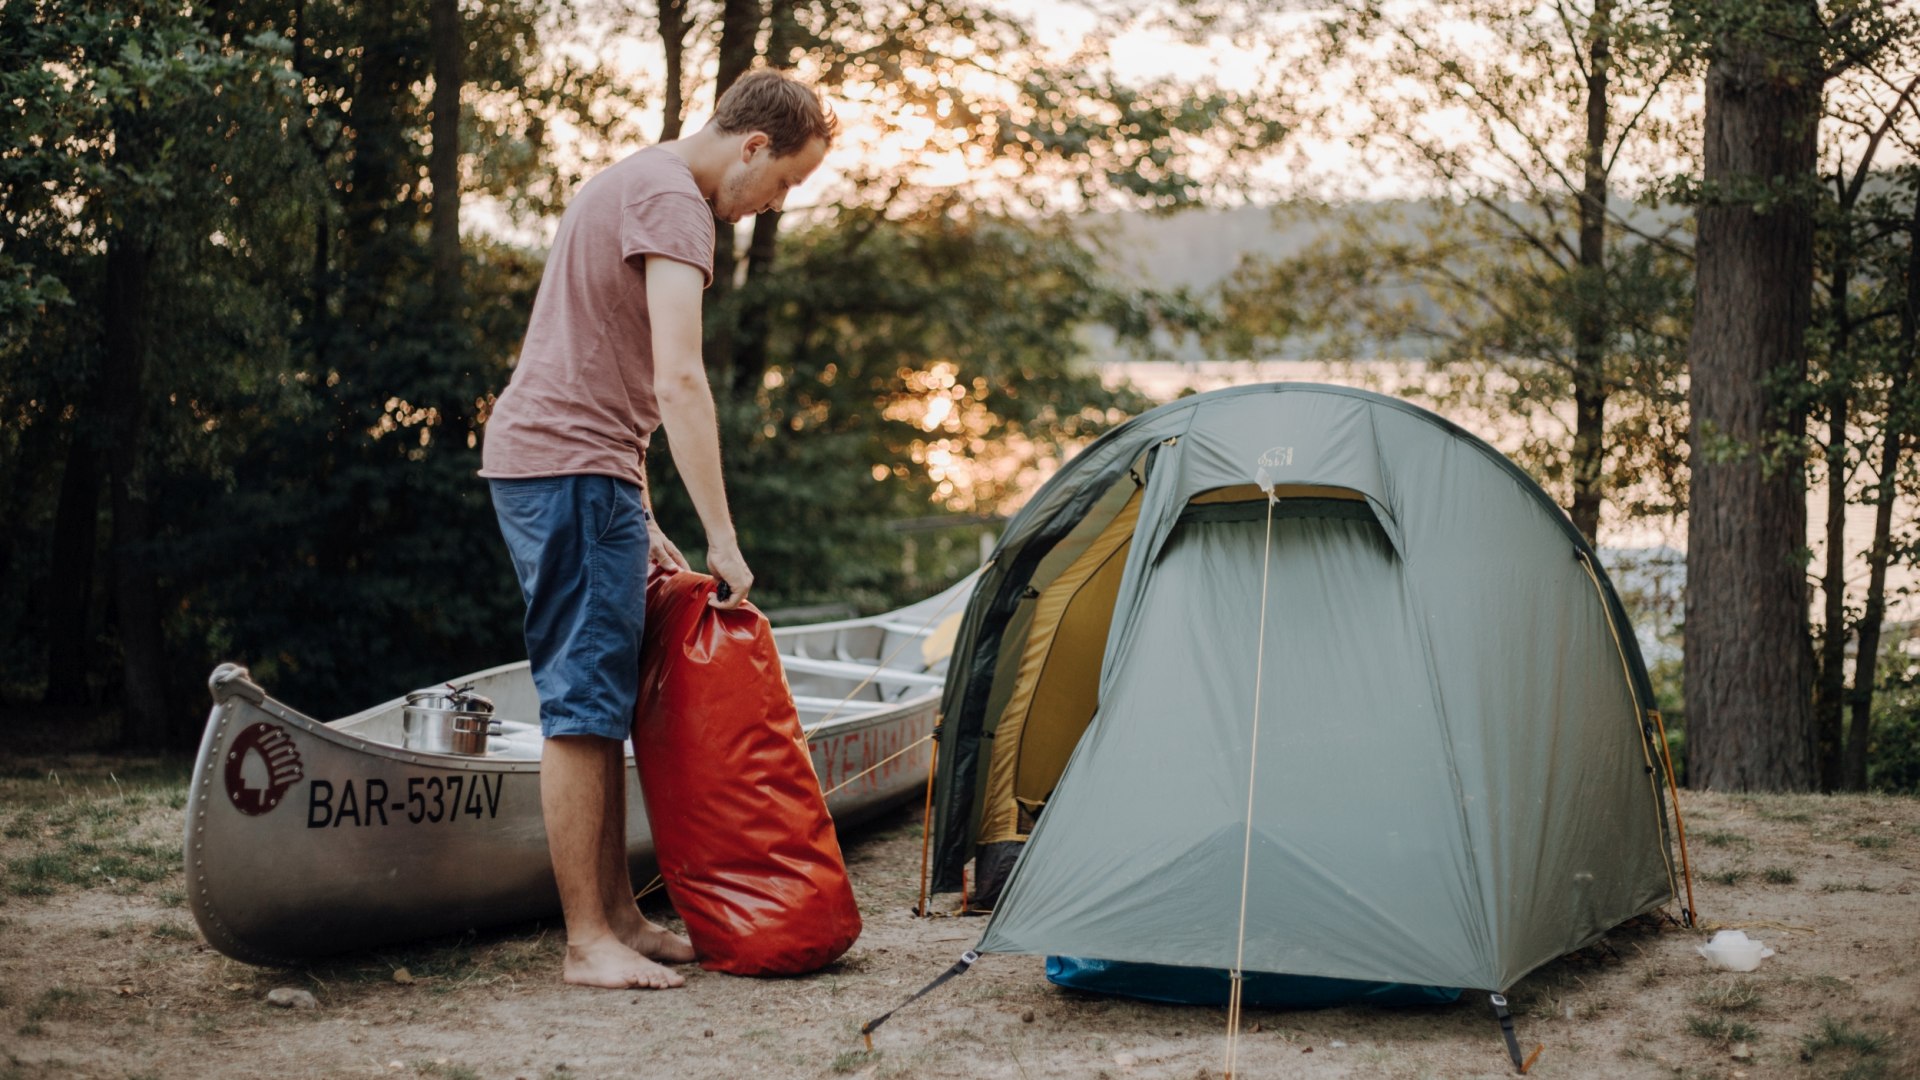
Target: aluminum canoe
(306, 838)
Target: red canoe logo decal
(261, 765)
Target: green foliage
(904, 380)
(1036, 132)
(59, 1002)
(1723, 839)
(1729, 995)
(1842, 1036)
(1491, 280)
(308, 413)
(1721, 1030)
(309, 444)
(1893, 764)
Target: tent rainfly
(1320, 648)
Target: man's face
(759, 181)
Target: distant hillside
(1198, 249)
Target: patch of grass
(445, 966)
(1848, 886)
(1779, 875)
(1728, 995)
(169, 931)
(172, 898)
(84, 864)
(1872, 841)
(849, 1060)
(29, 1029)
(1839, 1035)
(1723, 839)
(1768, 812)
(58, 1001)
(450, 1071)
(1728, 877)
(1721, 1030)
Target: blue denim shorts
(579, 547)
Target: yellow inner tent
(1057, 682)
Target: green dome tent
(1455, 779)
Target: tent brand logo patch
(1278, 457)
(262, 764)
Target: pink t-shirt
(581, 397)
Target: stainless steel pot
(447, 720)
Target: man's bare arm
(686, 411)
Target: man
(613, 351)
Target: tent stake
(960, 968)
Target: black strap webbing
(966, 961)
(1499, 1003)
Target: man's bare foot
(649, 938)
(608, 963)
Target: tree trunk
(379, 149)
(673, 35)
(443, 166)
(750, 354)
(76, 525)
(146, 717)
(1899, 418)
(1830, 691)
(740, 22)
(1591, 321)
(1748, 657)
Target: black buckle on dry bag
(959, 968)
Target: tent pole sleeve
(959, 968)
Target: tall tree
(443, 168)
(1528, 275)
(1900, 430)
(740, 23)
(674, 26)
(1860, 382)
(1749, 668)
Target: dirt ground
(103, 974)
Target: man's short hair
(789, 111)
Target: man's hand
(725, 562)
(661, 551)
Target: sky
(1139, 53)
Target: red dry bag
(740, 828)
